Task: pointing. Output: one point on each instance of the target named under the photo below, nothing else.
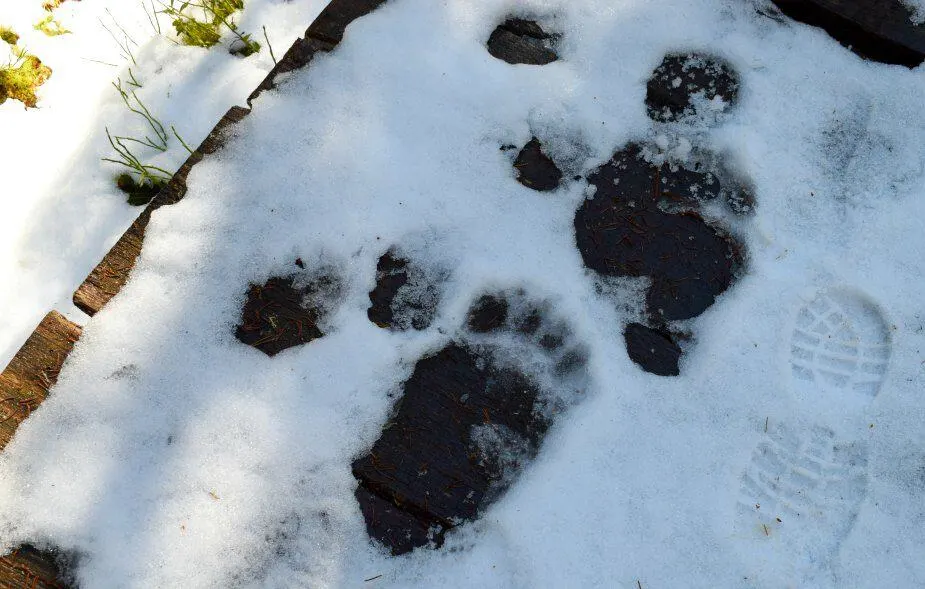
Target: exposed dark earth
(285, 311)
(518, 40)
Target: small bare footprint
(840, 343)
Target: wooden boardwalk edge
(25, 382)
(111, 274)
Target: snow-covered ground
(172, 455)
(60, 210)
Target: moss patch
(139, 193)
(20, 79)
(200, 24)
(7, 35)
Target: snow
(170, 455)
(918, 10)
(52, 175)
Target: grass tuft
(200, 24)
(20, 78)
(196, 33)
(148, 175)
(142, 181)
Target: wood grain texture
(323, 35)
(28, 568)
(25, 382)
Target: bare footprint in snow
(468, 420)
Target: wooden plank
(880, 30)
(330, 25)
(28, 568)
(111, 274)
(298, 56)
(324, 34)
(25, 382)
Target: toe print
(653, 349)
(517, 40)
(535, 169)
(840, 343)
(406, 294)
(692, 85)
(286, 311)
(468, 420)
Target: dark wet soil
(680, 78)
(274, 317)
(624, 230)
(517, 40)
(535, 169)
(460, 432)
(652, 349)
(139, 194)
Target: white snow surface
(171, 455)
(918, 10)
(60, 210)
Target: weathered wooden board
(880, 30)
(111, 274)
(330, 25)
(28, 568)
(25, 382)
